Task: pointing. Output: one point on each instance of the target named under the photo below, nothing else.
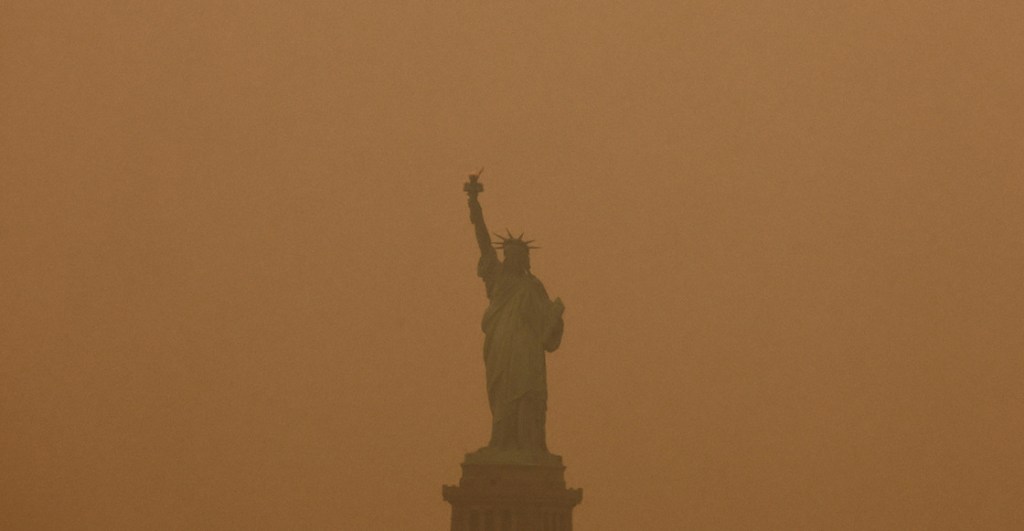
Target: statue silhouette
(521, 323)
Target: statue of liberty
(520, 324)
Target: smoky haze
(238, 276)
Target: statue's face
(517, 256)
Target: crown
(512, 240)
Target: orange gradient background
(238, 280)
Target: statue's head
(516, 250)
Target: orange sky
(238, 280)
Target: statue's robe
(520, 324)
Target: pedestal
(499, 493)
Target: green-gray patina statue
(520, 324)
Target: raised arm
(476, 214)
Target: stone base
(496, 456)
(497, 495)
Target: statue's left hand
(552, 337)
